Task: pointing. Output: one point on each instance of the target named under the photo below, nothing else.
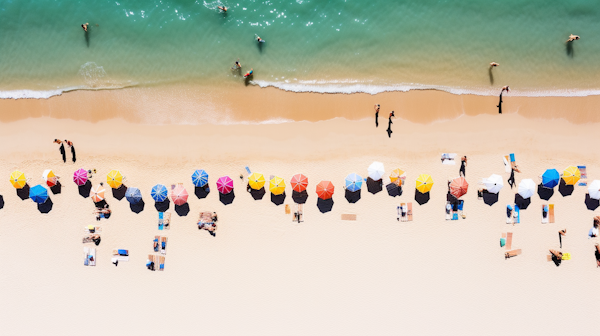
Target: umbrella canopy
(256, 181)
(200, 178)
(299, 182)
(494, 183)
(397, 177)
(38, 194)
(571, 175)
(50, 178)
(18, 179)
(550, 178)
(594, 189)
(179, 195)
(114, 179)
(424, 183)
(376, 171)
(325, 190)
(459, 187)
(277, 185)
(80, 176)
(353, 182)
(97, 193)
(225, 185)
(159, 193)
(526, 188)
(133, 195)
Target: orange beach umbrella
(397, 177)
(458, 187)
(97, 193)
(299, 182)
(325, 190)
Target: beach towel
(449, 158)
(583, 179)
(517, 215)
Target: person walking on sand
(511, 179)
(561, 233)
(573, 38)
(377, 115)
(85, 27)
(389, 129)
(62, 149)
(70, 144)
(493, 65)
(463, 166)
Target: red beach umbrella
(325, 190)
(458, 187)
(299, 182)
(179, 195)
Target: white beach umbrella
(376, 171)
(526, 188)
(494, 183)
(594, 189)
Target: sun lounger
(298, 213)
(351, 217)
(403, 210)
(583, 179)
(513, 163)
(409, 213)
(512, 253)
(92, 257)
(161, 263)
(163, 245)
(248, 170)
(551, 213)
(507, 165)
(449, 158)
(516, 215)
(509, 216)
(509, 236)
(97, 229)
(120, 252)
(86, 253)
(114, 259)
(287, 209)
(461, 206)
(545, 213)
(448, 211)
(156, 244)
(164, 220)
(151, 262)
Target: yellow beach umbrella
(256, 181)
(424, 183)
(114, 179)
(571, 175)
(18, 179)
(277, 185)
(397, 177)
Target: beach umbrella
(80, 176)
(38, 194)
(50, 178)
(179, 195)
(376, 171)
(353, 182)
(133, 195)
(256, 181)
(397, 177)
(200, 178)
(594, 189)
(550, 178)
(526, 188)
(114, 179)
(571, 175)
(424, 183)
(459, 187)
(18, 179)
(159, 193)
(299, 182)
(97, 193)
(325, 190)
(277, 185)
(225, 185)
(494, 183)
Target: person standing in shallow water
(377, 115)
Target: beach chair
(545, 210)
(583, 180)
(161, 263)
(551, 213)
(350, 217)
(163, 245)
(512, 253)
(409, 212)
(403, 212)
(448, 211)
(151, 262)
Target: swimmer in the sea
(494, 64)
(237, 65)
(223, 8)
(505, 88)
(573, 38)
(85, 26)
(259, 39)
(249, 73)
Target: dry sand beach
(265, 275)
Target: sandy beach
(264, 274)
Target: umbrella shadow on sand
(545, 193)
(278, 199)
(590, 203)
(421, 198)
(45, 207)
(119, 193)
(162, 206)
(56, 189)
(227, 198)
(182, 210)
(1, 201)
(138, 207)
(202, 192)
(84, 189)
(374, 186)
(23, 193)
(325, 205)
(299, 197)
(490, 198)
(258, 194)
(394, 190)
(352, 197)
(521, 202)
(565, 189)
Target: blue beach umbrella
(133, 195)
(159, 193)
(550, 178)
(38, 194)
(200, 178)
(353, 182)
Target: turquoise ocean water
(324, 46)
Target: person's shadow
(491, 74)
(260, 47)
(87, 38)
(247, 80)
(569, 49)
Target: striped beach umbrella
(459, 187)
(424, 183)
(277, 185)
(114, 179)
(526, 188)
(38, 194)
(133, 195)
(299, 182)
(494, 183)
(50, 178)
(97, 193)
(18, 179)
(353, 182)
(571, 175)
(397, 177)
(256, 181)
(376, 171)
(159, 193)
(325, 190)
(80, 176)
(179, 195)
(225, 185)
(550, 178)
(200, 178)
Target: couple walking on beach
(62, 149)
(389, 129)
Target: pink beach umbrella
(179, 195)
(225, 185)
(80, 177)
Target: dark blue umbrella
(200, 178)
(133, 195)
(550, 178)
(38, 194)
(159, 193)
